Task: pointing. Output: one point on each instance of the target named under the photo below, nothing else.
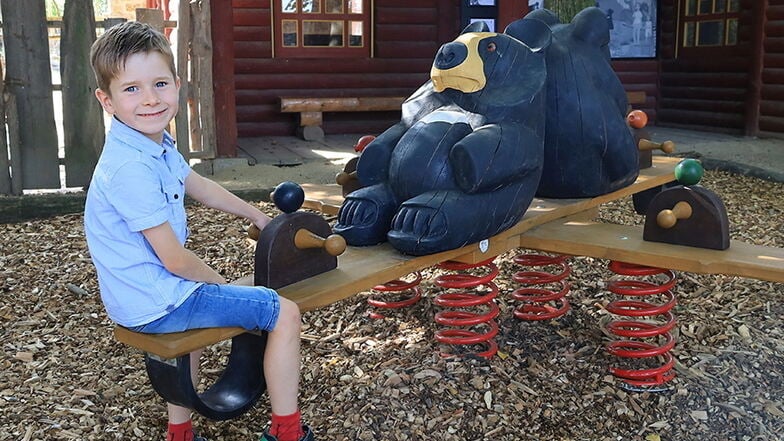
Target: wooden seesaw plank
(362, 268)
(625, 244)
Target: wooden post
(29, 79)
(758, 12)
(204, 87)
(5, 161)
(223, 73)
(182, 37)
(153, 17)
(83, 130)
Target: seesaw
(549, 225)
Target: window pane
(691, 7)
(720, 6)
(355, 6)
(334, 7)
(288, 6)
(688, 34)
(734, 6)
(311, 6)
(355, 35)
(710, 33)
(706, 6)
(289, 28)
(732, 31)
(322, 33)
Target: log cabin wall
(771, 118)
(707, 88)
(406, 36)
(640, 76)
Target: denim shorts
(218, 306)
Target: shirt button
(176, 196)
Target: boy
(136, 228)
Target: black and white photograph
(632, 27)
(535, 4)
(481, 2)
(490, 23)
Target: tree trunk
(29, 80)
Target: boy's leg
(180, 427)
(282, 369)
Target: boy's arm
(178, 259)
(214, 196)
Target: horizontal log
(407, 32)
(332, 81)
(771, 124)
(252, 49)
(705, 64)
(775, 12)
(772, 108)
(774, 28)
(734, 94)
(334, 104)
(773, 60)
(635, 66)
(250, 16)
(718, 80)
(362, 65)
(771, 75)
(252, 33)
(774, 44)
(403, 15)
(773, 92)
(256, 96)
(698, 118)
(703, 105)
(407, 49)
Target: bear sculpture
(465, 160)
(588, 149)
(536, 109)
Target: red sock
(287, 427)
(180, 432)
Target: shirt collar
(138, 141)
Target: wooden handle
(647, 144)
(254, 232)
(344, 178)
(334, 244)
(668, 218)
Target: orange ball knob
(363, 142)
(637, 119)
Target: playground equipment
(560, 226)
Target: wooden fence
(32, 154)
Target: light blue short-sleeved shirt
(137, 184)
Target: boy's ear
(105, 100)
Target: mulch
(63, 376)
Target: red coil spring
(657, 327)
(398, 287)
(463, 299)
(541, 303)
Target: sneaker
(308, 436)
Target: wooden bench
(311, 110)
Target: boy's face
(144, 95)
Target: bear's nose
(450, 55)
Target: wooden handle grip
(344, 178)
(647, 144)
(334, 244)
(668, 218)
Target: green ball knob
(689, 171)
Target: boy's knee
(289, 316)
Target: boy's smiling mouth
(153, 114)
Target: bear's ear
(477, 26)
(590, 26)
(534, 33)
(545, 15)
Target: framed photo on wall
(481, 2)
(479, 10)
(632, 27)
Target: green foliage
(567, 9)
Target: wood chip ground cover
(63, 376)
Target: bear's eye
(491, 47)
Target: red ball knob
(637, 119)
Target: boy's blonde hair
(112, 49)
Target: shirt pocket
(175, 194)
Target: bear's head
(482, 71)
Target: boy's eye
(161, 84)
(131, 89)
